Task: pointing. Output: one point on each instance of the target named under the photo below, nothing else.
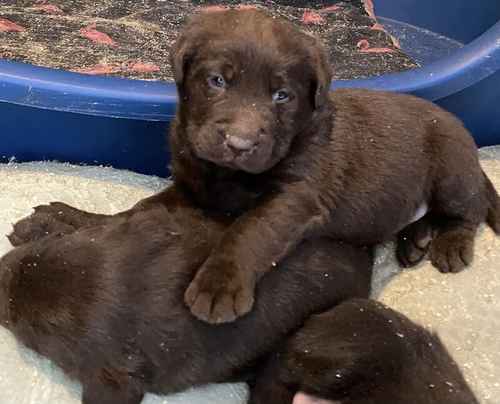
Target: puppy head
(248, 84)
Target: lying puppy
(259, 136)
(104, 301)
(362, 352)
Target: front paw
(220, 292)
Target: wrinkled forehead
(248, 56)
(249, 41)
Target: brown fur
(351, 164)
(102, 296)
(105, 302)
(361, 352)
(105, 298)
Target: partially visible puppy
(259, 136)
(102, 297)
(362, 352)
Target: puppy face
(248, 84)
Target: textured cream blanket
(464, 309)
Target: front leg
(223, 288)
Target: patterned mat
(132, 38)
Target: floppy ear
(185, 48)
(181, 54)
(322, 73)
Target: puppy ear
(322, 73)
(185, 48)
(180, 55)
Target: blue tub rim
(59, 90)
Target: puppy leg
(459, 205)
(224, 286)
(461, 199)
(414, 241)
(60, 218)
(111, 387)
(54, 218)
(37, 226)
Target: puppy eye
(281, 96)
(216, 81)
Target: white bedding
(464, 309)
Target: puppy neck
(216, 189)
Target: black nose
(240, 144)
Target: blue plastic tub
(458, 44)
(56, 115)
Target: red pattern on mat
(134, 39)
(131, 66)
(141, 67)
(90, 32)
(99, 69)
(315, 17)
(48, 8)
(9, 26)
(330, 9)
(312, 17)
(369, 8)
(364, 47)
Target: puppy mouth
(253, 159)
(248, 152)
(239, 155)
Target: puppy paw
(37, 226)
(452, 251)
(220, 293)
(413, 243)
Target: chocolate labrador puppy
(259, 136)
(102, 297)
(94, 301)
(362, 352)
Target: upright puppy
(259, 136)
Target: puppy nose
(241, 144)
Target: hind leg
(453, 248)
(54, 218)
(60, 218)
(413, 242)
(459, 205)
